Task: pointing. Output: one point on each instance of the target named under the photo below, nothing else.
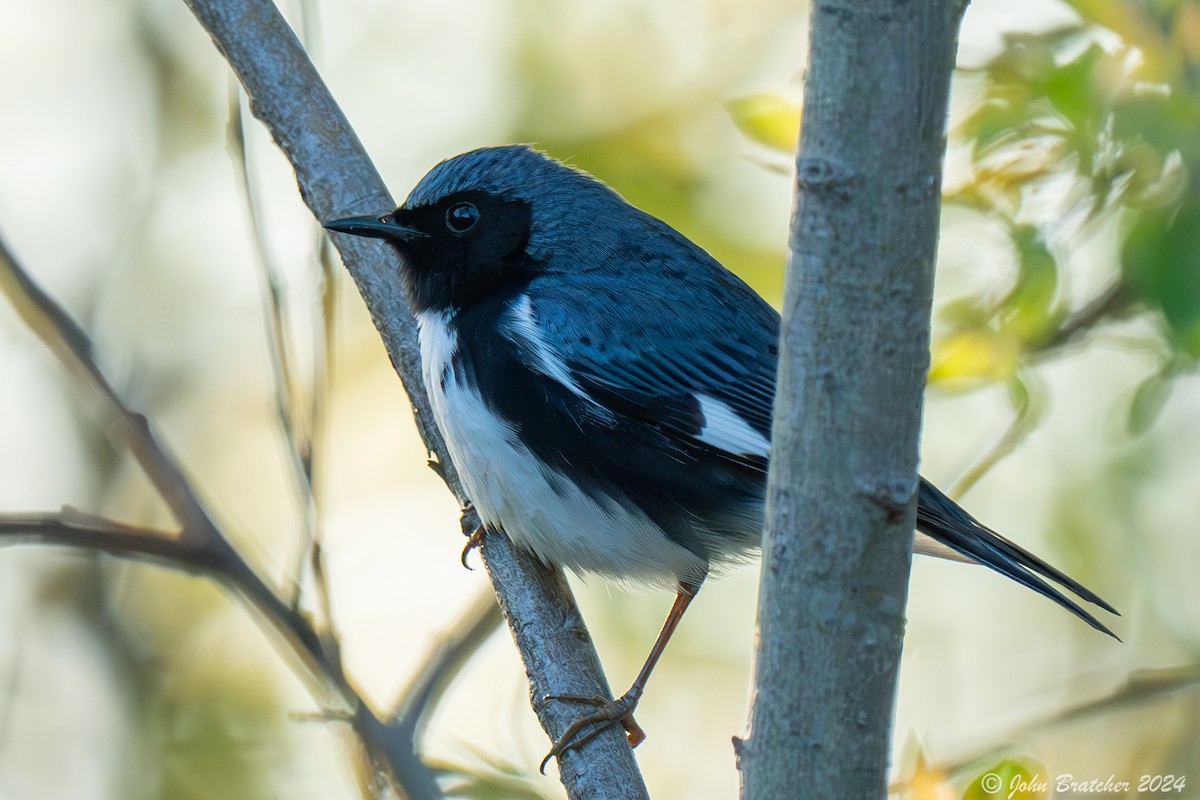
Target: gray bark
(337, 179)
(854, 353)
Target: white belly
(536, 506)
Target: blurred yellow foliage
(927, 782)
(974, 354)
(768, 118)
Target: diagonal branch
(125, 428)
(199, 546)
(390, 744)
(446, 658)
(198, 553)
(71, 527)
(297, 419)
(337, 179)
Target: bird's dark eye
(461, 217)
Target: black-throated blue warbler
(604, 386)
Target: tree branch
(841, 497)
(391, 745)
(199, 546)
(446, 658)
(125, 428)
(337, 179)
(298, 420)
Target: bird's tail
(941, 518)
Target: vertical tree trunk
(854, 353)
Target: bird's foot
(475, 537)
(474, 541)
(607, 714)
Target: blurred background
(1064, 405)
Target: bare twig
(1028, 413)
(1111, 302)
(125, 428)
(196, 552)
(446, 658)
(1140, 689)
(337, 179)
(301, 410)
(199, 545)
(1114, 300)
(318, 412)
(296, 427)
(71, 527)
(389, 744)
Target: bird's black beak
(384, 227)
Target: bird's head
(488, 221)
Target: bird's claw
(475, 537)
(474, 541)
(607, 714)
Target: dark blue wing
(678, 343)
(670, 339)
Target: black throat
(473, 249)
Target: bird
(605, 388)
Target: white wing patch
(725, 430)
(521, 327)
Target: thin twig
(1024, 421)
(390, 745)
(318, 419)
(297, 433)
(59, 332)
(1114, 300)
(447, 656)
(195, 552)
(71, 527)
(324, 359)
(1141, 688)
(199, 545)
(300, 411)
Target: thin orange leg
(611, 712)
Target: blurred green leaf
(1141, 24)
(1152, 178)
(1078, 128)
(992, 122)
(767, 118)
(1148, 401)
(1161, 260)
(965, 312)
(1070, 89)
(1029, 310)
